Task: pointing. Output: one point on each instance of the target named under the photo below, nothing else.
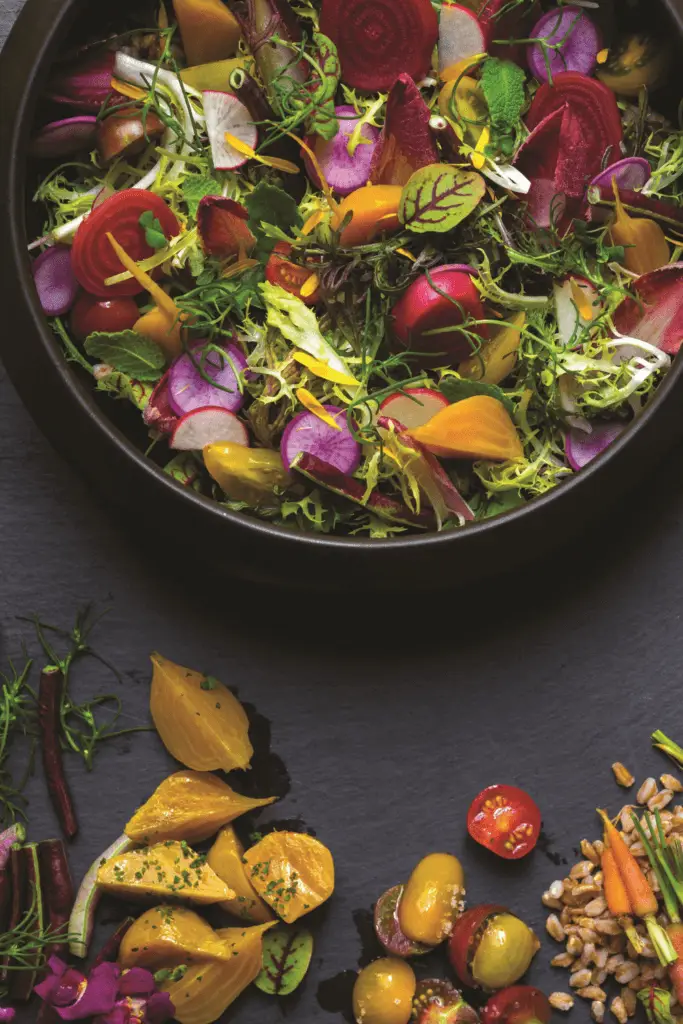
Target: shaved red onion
(580, 43)
(632, 172)
(55, 282)
(582, 448)
(62, 138)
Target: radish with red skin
(159, 413)
(91, 314)
(225, 113)
(413, 407)
(578, 35)
(344, 172)
(422, 309)
(55, 280)
(307, 433)
(460, 35)
(633, 172)
(210, 425)
(656, 315)
(581, 447)
(377, 40)
(64, 138)
(187, 388)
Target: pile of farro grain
(597, 953)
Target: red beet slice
(377, 40)
(658, 315)
(590, 130)
(407, 141)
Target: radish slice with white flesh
(188, 389)
(82, 920)
(577, 304)
(414, 406)
(576, 36)
(581, 448)
(460, 35)
(212, 425)
(308, 433)
(225, 113)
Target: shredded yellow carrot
(312, 222)
(324, 370)
(162, 300)
(311, 403)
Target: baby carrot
(617, 898)
(640, 894)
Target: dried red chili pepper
(49, 698)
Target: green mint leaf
(128, 352)
(195, 187)
(438, 197)
(209, 683)
(286, 958)
(455, 389)
(154, 233)
(270, 205)
(502, 83)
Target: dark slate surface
(389, 719)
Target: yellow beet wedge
(226, 858)
(169, 936)
(292, 872)
(497, 357)
(476, 428)
(191, 806)
(170, 870)
(199, 721)
(205, 992)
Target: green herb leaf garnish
(286, 958)
(439, 197)
(128, 352)
(154, 233)
(458, 388)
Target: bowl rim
(24, 62)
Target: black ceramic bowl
(66, 409)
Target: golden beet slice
(189, 805)
(199, 721)
(205, 992)
(292, 872)
(226, 858)
(169, 936)
(170, 870)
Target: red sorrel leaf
(407, 142)
(657, 315)
(438, 197)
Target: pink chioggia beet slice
(657, 316)
(407, 142)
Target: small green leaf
(195, 187)
(154, 233)
(455, 389)
(128, 352)
(286, 957)
(502, 83)
(438, 197)
(270, 205)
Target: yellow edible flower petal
(286, 166)
(311, 403)
(477, 157)
(408, 255)
(323, 370)
(310, 286)
(602, 56)
(581, 301)
(327, 191)
(125, 89)
(162, 300)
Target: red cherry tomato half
(505, 820)
(517, 1005)
(92, 257)
(110, 315)
(280, 270)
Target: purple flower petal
(57, 965)
(137, 982)
(159, 1008)
(98, 997)
(47, 988)
(70, 986)
(7, 1013)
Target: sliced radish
(189, 390)
(55, 281)
(414, 407)
(633, 172)
(159, 413)
(460, 35)
(308, 433)
(579, 41)
(225, 113)
(581, 448)
(574, 299)
(211, 425)
(344, 172)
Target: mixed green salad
(367, 267)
